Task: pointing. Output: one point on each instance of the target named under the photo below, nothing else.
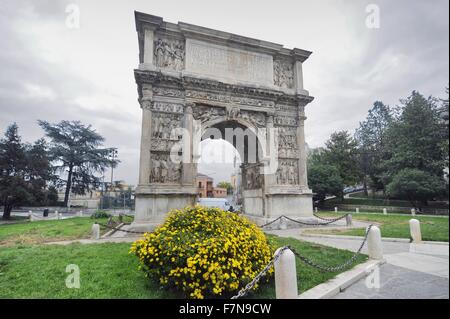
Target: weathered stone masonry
(188, 73)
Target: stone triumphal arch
(194, 79)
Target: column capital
(146, 104)
(269, 119)
(188, 106)
(301, 113)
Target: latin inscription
(228, 63)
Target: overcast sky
(52, 72)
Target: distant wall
(392, 209)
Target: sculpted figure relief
(207, 113)
(169, 54)
(163, 125)
(287, 143)
(224, 98)
(283, 74)
(163, 170)
(287, 173)
(233, 113)
(253, 177)
(258, 119)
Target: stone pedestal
(152, 205)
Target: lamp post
(113, 154)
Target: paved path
(399, 283)
(410, 271)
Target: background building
(206, 188)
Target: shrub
(416, 186)
(203, 252)
(100, 214)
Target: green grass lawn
(38, 232)
(108, 271)
(397, 226)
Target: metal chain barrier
(314, 224)
(270, 223)
(244, 291)
(335, 268)
(328, 221)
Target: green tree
(416, 186)
(444, 114)
(227, 186)
(341, 151)
(76, 149)
(415, 140)
(24, 172)
(371, 136)
(324, 180)
(39, 172)
(13, 163)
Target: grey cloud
(350, 68)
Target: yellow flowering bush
(203, 252)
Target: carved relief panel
(258, 119)
(168, 92)
(287, 142)
(252, 177)
(163, 169)
(287, 173)
(283, 73)
(163, 125)
(286, 108)
(206, 113)
(230, 99)
(169, 53)
(166, 118)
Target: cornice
(193, 83)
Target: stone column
(188, 164)
(271, 154)
(146, 139)
(302, 172)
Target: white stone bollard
(60, 216)
(315, 209)
(56, 214)
(286, 276)
(357, 210)
(335, 209)
(30, 215)
(374, 243)
(95, 231)
(384, 211)
(413, 212)
(349, 220)
(414, 229)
